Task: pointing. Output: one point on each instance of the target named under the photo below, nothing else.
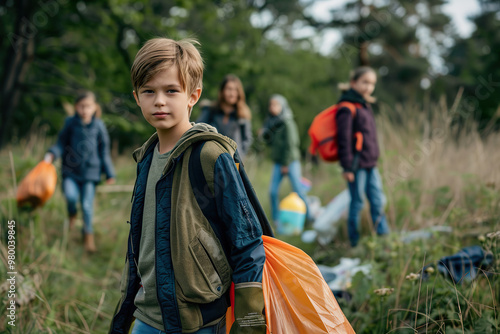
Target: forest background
(53, 48)
(437, 118)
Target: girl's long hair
(85, 94)
(242, 109)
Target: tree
(16, 61)
(474, 64)
(395, 37)
(91, 45)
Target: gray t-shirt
(148, 308)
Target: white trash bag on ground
(326, 224)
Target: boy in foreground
(179, 265)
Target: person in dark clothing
(83, 145)
(360, 167)
(230, 115)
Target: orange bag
(38, 186)
(296, 297)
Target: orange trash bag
(38, 186)
(296, 297)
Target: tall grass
(61, 288)
(435, 169)
(438, 169)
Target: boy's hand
(349, 176)
(110, 181)
(284, 170)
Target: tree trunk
(19, 56)
(364, 59)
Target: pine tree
(397, 38)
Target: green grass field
(432, 175)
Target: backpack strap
(206, 199)
(202, 193)
(349, 105)
(358, 136)
(252, 196)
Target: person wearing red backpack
(360, 163)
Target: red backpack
(323, 132)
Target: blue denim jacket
(84, 149)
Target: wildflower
(412, 277)
(481, 238)
(493, 235)
(384, 291)
(429, 270)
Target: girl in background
(231, 115)
(360, 167)
(280, 131)
(83, 145)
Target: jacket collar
(352, 96)
(181, 147)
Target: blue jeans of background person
(366, 181)
(85, 192)
(294, 174)
(143, 328)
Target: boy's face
(164, 104)
(86, 108)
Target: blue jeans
(294, 174)
(143, 328)
(85, 192)
(367, 180)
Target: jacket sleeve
(246, 135)
(288, 140)
(242, 228)
(104, 155)
(266, 134)
(62, 140)
(345, 138)
(247, 254)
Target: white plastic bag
(326, 225)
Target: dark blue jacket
(239, 233)
(238, 129)
(84, 149)
(364, 122)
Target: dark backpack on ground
(464, 265)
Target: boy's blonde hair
(159, 54)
